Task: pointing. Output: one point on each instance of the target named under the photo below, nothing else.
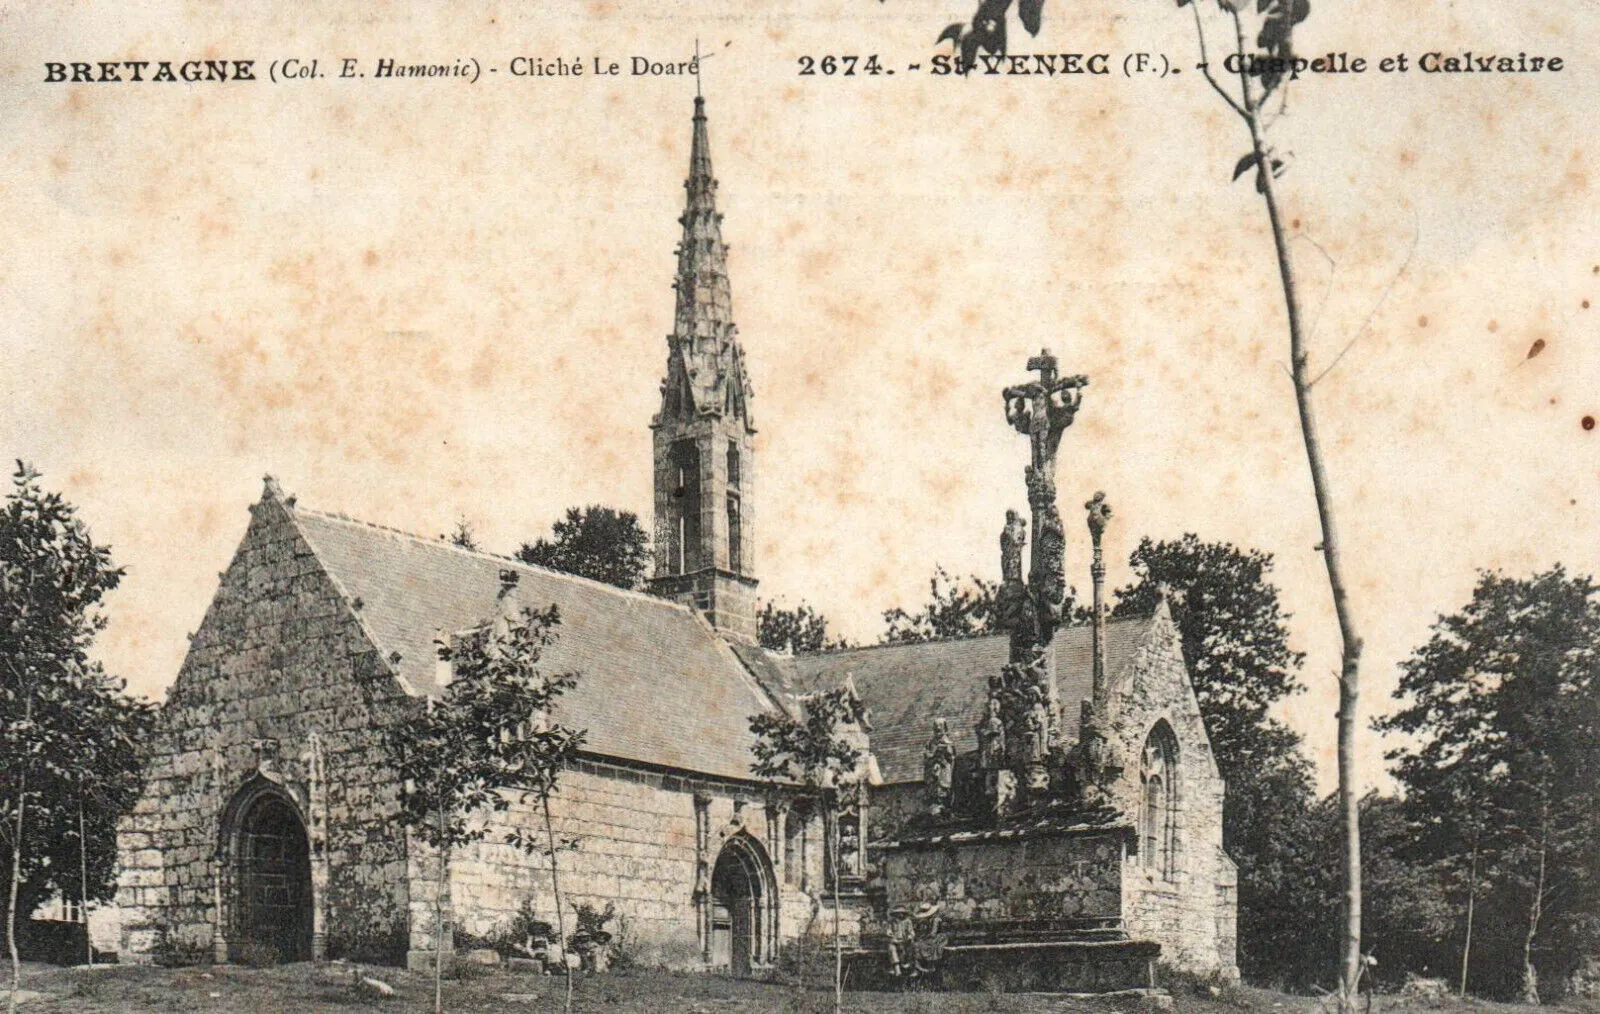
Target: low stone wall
(1013, 878)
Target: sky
(420, 301)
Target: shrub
(807, 961)
(624, 953)
(84, 987)
(256, 954)
(173, 952)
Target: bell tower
(703, 434)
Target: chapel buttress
(703, 435)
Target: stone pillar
(317, 833)
(702, 873)
(777, 833)
(777, 813)
(219, 861)
(1099, 514)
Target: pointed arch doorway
(272, 897)
(743, 906)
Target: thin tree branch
(1205, 62)
(1333, 267)
(1416, 232)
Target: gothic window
(686, 503)
(734, 534)
(733, 465)
(1158, 777)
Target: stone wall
(641, 836)
(1190, 906)
(279, 678)
(1013, 878)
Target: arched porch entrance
(271, 874)
(744, 907)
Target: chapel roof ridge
(854, 648)
(446, 544)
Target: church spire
(704, 440)
(704, 341)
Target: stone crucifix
(1042, 410)
(1022, 698)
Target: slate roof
(657, 685)
(907, 686)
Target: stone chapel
(268, 815)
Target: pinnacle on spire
(711, 377)
(705, 308)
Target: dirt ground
(331, 987)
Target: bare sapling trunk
(1350, 641)
(838, 948)
(16, 890)
(1530, 974)
(438, 915)
(16, 869)
(555, 889)
(1472, 899)
(83, 885)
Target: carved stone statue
(1038, 726)
(1013, 603)
(938, 767)
(992, 738)
(1012, 538)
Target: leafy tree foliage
(955, 608)
(68, 733)
(1268, 818)
(809, 750)
(1502, 773)
(1405, 909)
(1235, 639)
(596, 542)
(487, 738)
(799, 630)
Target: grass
(291, 988)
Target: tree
(1235, 640)
(955, 608)
(1502, 775)
(798, 631)
(1261, 68)
(68, 733)
(596, 542)
(1405, 910)
(809, 750)
(489, 735)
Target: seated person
(928, 943)
(902, 942)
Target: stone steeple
(705, 365)
(703, 433)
